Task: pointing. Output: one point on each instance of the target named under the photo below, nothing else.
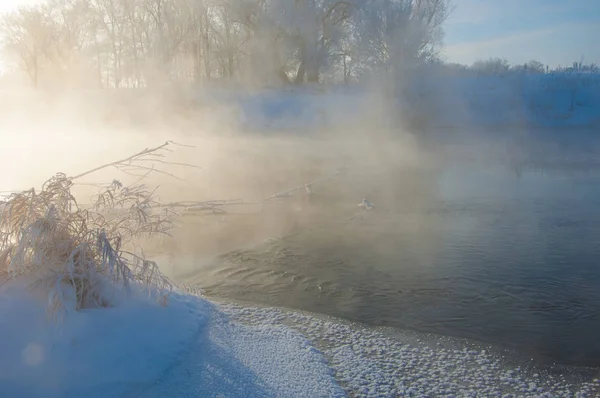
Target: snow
(107, 349)
(297, 109)
(236, 360)
(140, 348)
(369, 362)
(515, 100)
(194, 347)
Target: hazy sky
(555, 32)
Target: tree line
(140, 43)
(501, 67)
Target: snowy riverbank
(547, 101)
(194, 347)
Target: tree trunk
(300, 73)
(230, 66)
(206, 47)
(35, 72)
(100, 79)
(313, 76)
(196, 59)
(309, 67)
(282, 75)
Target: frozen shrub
(86, 256)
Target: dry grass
(83, 256)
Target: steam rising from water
(75, 132)
(396, 167)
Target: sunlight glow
(10, 5)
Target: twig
(141, 178)
(138, 157)
(183, 145)
(142, 153)
(166, 162)
(96, 185)
(124, 169)
(304, 186)
(215, 204)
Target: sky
(554, 32)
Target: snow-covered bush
(83, 257)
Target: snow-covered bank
(92, 352)
(234, 359)
(188, 348)
(561, 100)
(195, 348)
(547, 101)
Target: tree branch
(119, 164)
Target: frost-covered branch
(147, 155)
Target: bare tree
(315, 28)
(27, 36)
(392, 34)
(134, 43)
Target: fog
(76, 132)
(243, 151)
(289, 114)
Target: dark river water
(510, 259)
